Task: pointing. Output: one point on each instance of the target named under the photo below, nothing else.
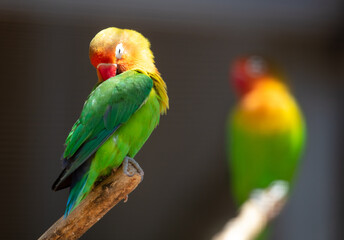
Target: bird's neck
(159, 86)
(161, 89)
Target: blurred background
(46, 77)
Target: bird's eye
(119, 51)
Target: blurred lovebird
(265, 131)
(119, 115)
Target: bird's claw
(126, 162)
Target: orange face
(113, 51)
(247, 71)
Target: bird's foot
(126, 170)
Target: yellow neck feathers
(269, 107)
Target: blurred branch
(255, 213)
(97, 203)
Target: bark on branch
(98, 202)
(255, 213)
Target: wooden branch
(97, 203)
(255, 213)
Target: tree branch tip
(256, 212)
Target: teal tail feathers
(77, 193)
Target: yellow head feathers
(126, 48)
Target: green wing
(109, 105)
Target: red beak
(106, 71)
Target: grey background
(46, 76)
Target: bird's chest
(134, 133)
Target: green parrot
(119, 115)
(265, 131)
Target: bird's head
(247, 71)
(114, 51)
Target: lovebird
(118, 116)
(265, 131)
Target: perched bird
(119, 115)
(266, 130)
